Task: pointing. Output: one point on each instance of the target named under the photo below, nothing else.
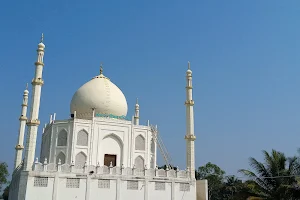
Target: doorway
(108, 158)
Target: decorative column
(190, 137)
(136, 119)
(19, 147)
(33, 121)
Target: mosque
(97, 153)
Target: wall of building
(202, 189)
(89, 140)
(66, 183)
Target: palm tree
(275, 178)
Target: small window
(104, 184)
(184, 187)
(73, 183)
(132, 185)
(160, 186)
(40, 182)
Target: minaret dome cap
(41, 45)
(26, 90)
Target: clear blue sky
(244, 56)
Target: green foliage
(3, 174)
(5, 193)
(215, 176)
(284, 184)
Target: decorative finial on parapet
(45, 161)
(101, 68)
(110, 164)
(189, 65)
(59, 162)
(42, 38)
(36, 160)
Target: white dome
(99, 93)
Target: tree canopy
(3, 174)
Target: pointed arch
(82, 138)
(152, 164)
(62, 138)
(62, 157)
(140, 143)
(112, 145)
(139, 162)
(152, 146)
(80, 160)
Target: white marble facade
(96, 153)
(82, 140)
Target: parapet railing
(105, 170)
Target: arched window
(139, 162)
(140, 143)
(80, 160)
(82, 138)
(152, 146)
(62, 138)
(61, 156)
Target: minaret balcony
(189, 102)
(33, 122)
(190, 137)
(39, 63)
(23, 118)
(19, 147)
(37, 81)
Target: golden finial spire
(101, 69)
(42, 38)
(189, 67)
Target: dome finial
(137, 100)
(26, 86)
(189, 65)
(42, 38)
(101, 69)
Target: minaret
(33, 121)
(190, 137)
(136, 120)
(19, 147)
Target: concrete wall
(202, 189)
(67, 186)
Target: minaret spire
(33, 122)
(101, 69)
(136, 119)
(190, 137)
(19, 147)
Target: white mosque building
(97, 153)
